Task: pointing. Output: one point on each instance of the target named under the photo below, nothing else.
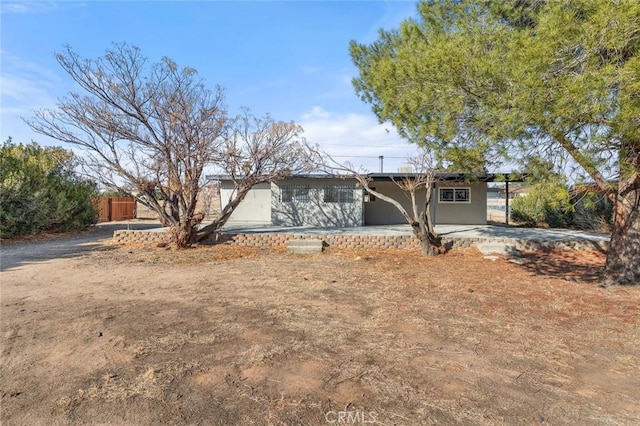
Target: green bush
(39, 192)
(546, 204)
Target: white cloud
(21, 91)
(356, 138)
(316, 113)
(27, 6)
(14, 8)
(310, 69)
(27, 84)
(16, 64)
(24, 86)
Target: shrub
(39, 192)
(547, 204)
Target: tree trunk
(431, 242)
(432, 245)
(225, 214)
(182, 235)
(623, 258)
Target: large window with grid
(338, 194)
(294, 193)
(454, 195)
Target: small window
(294, 193)
(338, 194)
(454, 195)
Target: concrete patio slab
(446, 231)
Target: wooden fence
(116, 208)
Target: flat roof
(380, 177)
(454, 177)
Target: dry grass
(228, 335)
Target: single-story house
(339, 201)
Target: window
(370, 197)
(338, 194)
(454, 195)
(293, 193)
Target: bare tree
(259, 150)
(417, 186)
(209, 199)
(150, 130)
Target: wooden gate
(116, 208)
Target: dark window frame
(294, 194)
(338, 194)
(455, 195)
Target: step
(498, 248)
(307, 246)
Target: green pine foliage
(39, 192)
(509, 78)
(593, 211)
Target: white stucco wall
(255, 208)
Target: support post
(506, 208)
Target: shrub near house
(555, 205)
(546, 204)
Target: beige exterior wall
(379, 212)
(473, 213)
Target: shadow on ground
(579, 266)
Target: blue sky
(286, 58)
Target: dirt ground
(223, 335)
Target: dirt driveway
(17, 253)
(225, 335)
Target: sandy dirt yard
(224, 336)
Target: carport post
(506, 211)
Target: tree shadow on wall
(317, 213)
